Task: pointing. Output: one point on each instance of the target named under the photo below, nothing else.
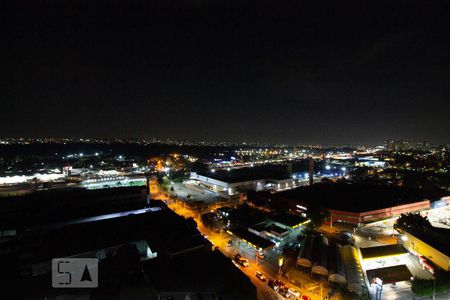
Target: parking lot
(190, 192)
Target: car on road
(294, 292)
(279, 283)
(260, 255)
(283, 291)
(272, 285)
(241, 261)
(260, 276)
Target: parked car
(294, 292)
(272, 285)
(279, 283)
(283, 291)
(260, 276)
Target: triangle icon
(86, 275)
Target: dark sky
(329, 72)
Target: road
(267, 266)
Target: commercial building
(113, 182)
(432, 245)
(228, 183)
(358, 203)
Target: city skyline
(405, 142)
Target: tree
(343, 293)
(318, 215)
(199, 167)
(255, 199)
(412, 222)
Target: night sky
(328, 72)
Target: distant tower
(289, 169)
(311, 171)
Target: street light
(280, 264)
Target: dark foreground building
(149, 253)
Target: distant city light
(327, 167)
(213, 170)
(344, 169)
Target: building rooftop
(289, 220)
(277, 172)
(390, 274)
(383, 251)
(196, 272)
(357, 197)
(436, 238)
(252, 239)
(174, 235)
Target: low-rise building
(433, 244)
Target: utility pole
(434, 288)
(331, 220)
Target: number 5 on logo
(69, 275)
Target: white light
(81, 154)
(404, 238)
(228, 169)
(96, 153)
(327, 167)
(213, 170)
(344, 169)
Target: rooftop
(289, 220)
(277, 172)
(358, 197)
(383, 251)
(252, 239)
(198, 272)
(390, 274)
(436, 238)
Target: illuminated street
(268, 266)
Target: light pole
(434, 288)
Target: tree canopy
(412, 222)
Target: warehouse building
(431, 245)
(359, 203)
